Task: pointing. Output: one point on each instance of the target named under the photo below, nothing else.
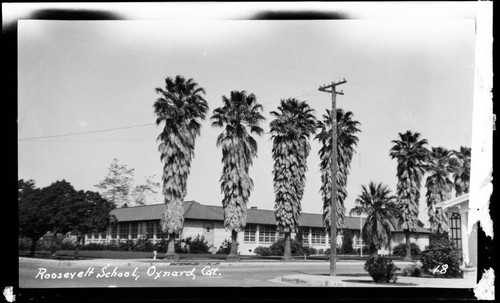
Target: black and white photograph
(193, 145)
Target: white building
(260, 230)
(466, 240)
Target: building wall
(421, 239)
(473, 246)
(213, 231)
(215, 234)
(468, 239)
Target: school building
(208, 220)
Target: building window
(281, 235)
(134, 230)
(267, 233)
(455, 229)
(249, 235)
(318, 236)
(150, 230)
(304, 233)
(114, 231)
(159, 233)
(123, 230)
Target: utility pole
(333, 202)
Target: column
(464, 236)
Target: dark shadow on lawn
(381, 284)
(338, 275)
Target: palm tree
(439, 187)
(461, 176)
(181, 107)
(377, 202)
(411, 155)
(240, 116)
(346, 142)
(293, 124)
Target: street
(38, 273)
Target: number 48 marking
(444, 267)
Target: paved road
(39, 273)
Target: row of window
(150, 230)
(268, 234)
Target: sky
(86, 92)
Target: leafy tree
(140, 193)
(346, 142)
(59, 208)
(377, 202)
(83, 213)
(461, 163)
(180, 107)
(240, 116)
(34, 215)
(25, 188)
(412, 156)
(439, 187)
(117, 184)
(293, 124)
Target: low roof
(453, 201)
(196, 211)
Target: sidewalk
(158, 262)
(469, 281)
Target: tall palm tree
(180, 107)
(346, 142)
(377, 202)
(411, 155)
(293, 124)
(461, 176)
(240, 116)
(439, 187)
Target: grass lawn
(111, 254)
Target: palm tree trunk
(233, 254)
(171, 244)
(373, 251)
(408, 249)
(287, 254)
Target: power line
(116, 128)
(87, 132)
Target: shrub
(93, 246)
(309, 250)
(400, 250)
(126, 245)
(161, 246)
(321, 251)
(143, 244)
(328, 251)
(381, 269)
(366, 251)
(198, 245)
(180, 247)
(414, 270)
(263, 251)
(296, 246)
(66, 245)
(442, 258)
(225, 248)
